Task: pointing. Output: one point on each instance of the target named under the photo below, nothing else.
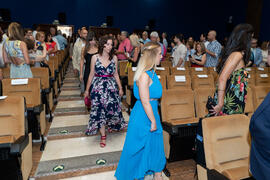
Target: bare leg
(102, 132)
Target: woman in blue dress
(143, 151)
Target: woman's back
(13, 49)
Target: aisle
(69, 152)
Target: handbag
(210, 103)
(87, 102)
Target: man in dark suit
(260, 143)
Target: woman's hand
(86, 94)
(216, 110)
(121, 93)
(81, 77)
(153, 126)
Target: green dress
(235, 93)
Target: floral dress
(105, 100)
(235, 94)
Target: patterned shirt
(214, 47)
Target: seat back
(43, 75)
(162, 71)
(201, 97)
(262, 79)
(202, 81)
(249, 108)
(226, 142)
(131, 72)
(259, 93)
(6, 72)
(54, 59)
(166, 64)
(122, 68)
(51, 66)
(162, 79)
(262, 70)
(30, 91)
(198, 70)
(12, 119)
(177, 105)
(179, 71)
(179, 82)
(251, 79)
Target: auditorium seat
(179, 82)
(31, 91)
(226, 147)
(259, 93)
(202, 81)
(162, 71)
(212, 70)
(249, 108)
(131, 72)
(179, 124)
(201, 97)
(15, 142)
(179, 71)
(251, 79)
(262, 79)
(262, 70)
(198, 70)
(166, 64)
(162, 79)
(122, 68)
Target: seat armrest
(18, 146)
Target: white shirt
(180, 52)
(206, 43)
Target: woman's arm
(202, 62)
(116, 76)
(5, 56)
(143, 84)
(135, 56)
(81, 64)
(231, 64)
(25, 53)
(91, 75)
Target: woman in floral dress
(105, 92)
(231, 93)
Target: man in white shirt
(76, 57)
(180, 52)
(203, 39)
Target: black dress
(87, 67)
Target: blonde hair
(148, 59)
(39, 33)
(202, 46)
(134, 39)
(15, 32)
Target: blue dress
(143, 151)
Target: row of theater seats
(23, 109)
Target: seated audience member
(15, 51)
(198, 59)
(136, 51)
(62, 41)
(264, 47)
(213, 50)
(180, 52)
(260, 141)
(190, 50)
(28, 34)
(145, 37)
(203, 39)
(32, 51)
(51, 46)
(256, 54)
(164, 40)
(40, 47)
(125, 47)
(53, 33)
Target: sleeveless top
(198, 58)
(13, 49)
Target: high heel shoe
(102, 145)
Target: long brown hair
(102, 41)
(90, 37)
(265, 45)
(15, 32)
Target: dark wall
(190, 17)
(265, 25)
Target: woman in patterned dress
(105, 91)
(231, 92)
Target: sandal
(102, 145)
